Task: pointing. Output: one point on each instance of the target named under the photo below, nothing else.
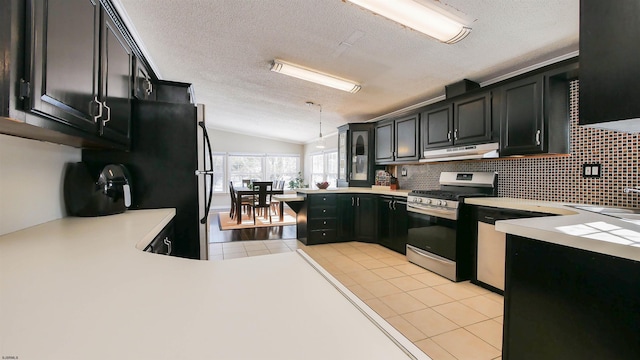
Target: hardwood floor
(261, 233)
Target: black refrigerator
(168, 161)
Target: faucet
(631, 190)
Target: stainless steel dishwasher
(491, 244)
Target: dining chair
(275, 204)
(262, 198)
(232, 211)
(245, 202)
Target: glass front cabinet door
(355, 158)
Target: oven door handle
(447, 214)
(429, 255)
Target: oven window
(433, 234)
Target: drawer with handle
(322, 212)
(317, 224)
(322, 236)
(322, 200)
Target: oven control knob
(442, 203)
(418, 200)
(427, 201)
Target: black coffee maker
(96, 194)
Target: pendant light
(320, 144)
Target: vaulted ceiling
(225, 48)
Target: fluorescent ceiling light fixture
(418, 17)
(314, 76)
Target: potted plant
(298, 182)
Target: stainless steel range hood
(482, 151)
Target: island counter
(82, 288)
(571, 283)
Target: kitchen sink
(620, 213)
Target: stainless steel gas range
(434, 241)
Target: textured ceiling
(224, 48)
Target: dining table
(244, 191)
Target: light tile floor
(446, 320)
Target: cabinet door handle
(538, 137)
(148, 88)
(358, 202)
(352, 201)
(455, 134)
(324, 210)
(394, 205)
(105, 121)
(449, 136)
(390, 204)
(168, 243)
(99, 115)
(324, 222)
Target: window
(245, 167)
(261, 167)
(324, 167)
(331, 168)
(317, 168)
(218, 173)
(283, 167)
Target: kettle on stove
(105, 193)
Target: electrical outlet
(403, 172)
(591, 170)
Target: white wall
(229, 142)
(31, 174)
(223, 141)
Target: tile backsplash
(556, 178)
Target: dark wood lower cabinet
(365, 218)
(345, 217)
(565, 303)
(354, 217)
(163, 242)
(316, 219)
(393, 224)
(357, 217)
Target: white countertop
(287, 197)
(356, 190)
(81, 288)
(574, 227)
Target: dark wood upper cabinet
(384, 142)
(173, 92)
(77, 74)
(437, 127)
(521, 117)
(116, 85)
(472, 119)
(464, 120)
(143, 83)
(534, 112)
(398, 140)
(356, 161)
(62, 61)
(407, 138)
(609, 71)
